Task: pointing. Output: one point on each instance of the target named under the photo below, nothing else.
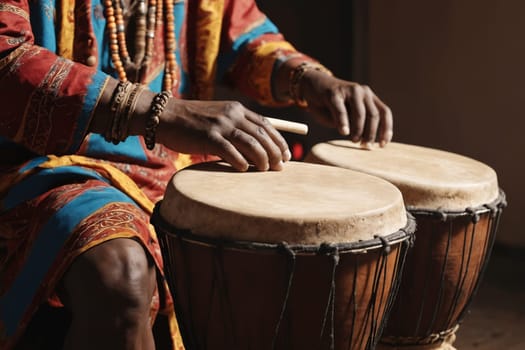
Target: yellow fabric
(121, 181)
(183, 160)
(261, 68)
(117, 177)
(66, 31)
(176, 335)
(209, 24)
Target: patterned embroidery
(208, 30)
(14, 9)
(14, 56)
(16, 41)
(113, 219)
(27, 51)
(66, 193)
(258, 62)
(39, 117)
(98, 12)
(49, 10)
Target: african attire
(63, 190)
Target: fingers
(370, 118)
(352, 108)
(240, 150)
(357, 113)
(253, 150)
(270, 138)
(253, 138)
(338, 110)
(386, 127)
(227, 151)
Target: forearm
(288, 80)
(103, 115)
(281, 78)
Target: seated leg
(109, 290)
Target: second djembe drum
(304, 258)
(457, 205)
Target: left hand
(353, 109)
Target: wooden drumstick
(285, 125)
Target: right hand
(223, 128)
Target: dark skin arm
(223, 128)
(351, 108)
(242, 137)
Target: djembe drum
(457, 204)
(304, 258)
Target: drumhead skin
(302, 204)
(429, 179)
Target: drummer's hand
(223, 128)
(352, 108)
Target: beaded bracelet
(296, 75)
(157, 107)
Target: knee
(114, 277)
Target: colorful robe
(63, 190)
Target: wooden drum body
(457, 204)
(304, 258)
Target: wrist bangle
(296, 75)
(120, 95)
(119, 119)
(127, 112)
(157, 107)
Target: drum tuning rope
(333, 252)
(473, 214)
(175, 242)
(427, 336)
(284, 247)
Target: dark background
(452, 72)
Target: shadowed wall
(452, 72)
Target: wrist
(281, 79)
(158, 105)
(301, 73)
(288, 80)
(138, 121)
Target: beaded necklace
(147, 20)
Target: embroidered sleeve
(252, 49)
(47, 101)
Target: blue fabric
(47, 245)
(131, 149)
(42, 23)
(226, 59)
(44, 180)
(90, 101)
(179, 13)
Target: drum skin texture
(234, 292)
(457, 206)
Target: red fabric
(239, 17)
(42, 112)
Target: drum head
(428, 178)
(302, 204)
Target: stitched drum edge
(359, 247)
(474, 212)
